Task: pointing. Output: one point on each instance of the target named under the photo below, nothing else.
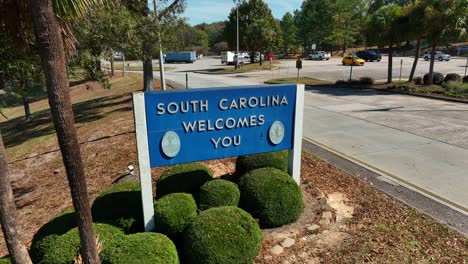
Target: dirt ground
(345, 220)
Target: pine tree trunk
(18, 252)
(51, 51)
(27, 110)
(148, 75)
(416, 58)
(431, 65)
(390, 63)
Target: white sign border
(143, 160)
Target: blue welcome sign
(182, 126)
(205, 124)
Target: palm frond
(70, 9)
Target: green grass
(247, 68)
(24, 136)
(303, 80)
(119, 66)
(456, 89)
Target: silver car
(439, 55)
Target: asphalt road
(331, 70)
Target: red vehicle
(268, 55)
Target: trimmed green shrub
(218, 193)
(120, 205)
(418, 80)
(183, 178)
(465, 79)
(222, 235)
(5, 260)
(140, 248)
(272, 196)
(341, 82)
(366, 80)
(51, 231)
(173, 213)
(57, 226)
(65, 248)
(452, 77)
(247, 163)
(437, 78)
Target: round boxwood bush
(437, 78)
(418, 80)
(183, 178)
(272, 196)
(120, 205)
(51, 230)
(140, 248)
(222, 235)
(465, 79)
(452, 77)
(218, 193)
(5, 260)
(173, 213)
(65, 248)
(247, 163)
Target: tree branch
(170, 8)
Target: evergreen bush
(247, 163)
(437, 78)
(222, 235)
(452, 77)
(65, 248)
(366, 80)
(418, 80)
(51, 231)
(120, 205)
(218, 193)
(173, 213)
(183, 178)
(140, 248)
(5, 260)
(272, 196)
(465, 79)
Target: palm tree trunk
(51, 51)
(390, 63)
(17, 250)
(112, 63)
(416, 58)
(431, 65)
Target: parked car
(369, 55)
(319, 55)
(352, 59)
(462, 49)
(439, 55)
(229, 58)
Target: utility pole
(161, 58)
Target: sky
(199, 11)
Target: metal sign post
(401, 66)
(183, 126)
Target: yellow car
(353, 60)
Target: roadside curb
(428, 206)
